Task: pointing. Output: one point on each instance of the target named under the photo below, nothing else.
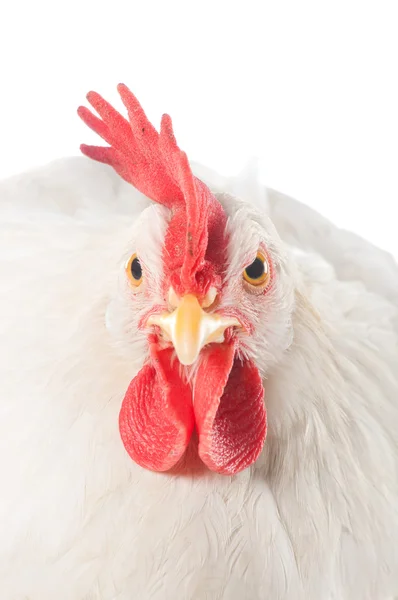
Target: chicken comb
(154, 164)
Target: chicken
(194, 404)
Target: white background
(308, 86)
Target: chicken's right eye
(134, 270)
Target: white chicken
(202, 326)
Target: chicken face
(205, 295)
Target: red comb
(156, 166)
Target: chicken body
(315, 517)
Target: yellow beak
(190, 328)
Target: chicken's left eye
(134, 270)
(257, 273)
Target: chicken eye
(134, 270)
(257, 274)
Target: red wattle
(156, 418)
(229, 410)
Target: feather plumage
(316, 517)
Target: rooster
(198, 391)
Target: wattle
(229, 410)
(160, 410)
(156, 418)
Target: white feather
(316, 518)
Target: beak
(190, 328)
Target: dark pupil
(256, 269)
(136, 270)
